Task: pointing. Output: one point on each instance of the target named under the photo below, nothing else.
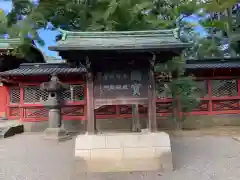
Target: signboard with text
(117, 85)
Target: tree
(101, 15)
(222, 23)
(113, 15)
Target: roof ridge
(110, 34)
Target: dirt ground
(209, 154)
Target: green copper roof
(119, 40)
(11, 43)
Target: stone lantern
(54, 87)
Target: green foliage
(222, 23)
(208, 48)
(102, 15)
(185, 89)
(217, 6)
(95, 15)
(181, 88)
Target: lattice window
(66, 95)
(74, 93)
(77, 92)
(224, 88)
(33, 94)
(14, 95)
(201, 89)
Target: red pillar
(209, 88)
(4, 100)
(21, 103)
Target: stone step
(10, 128)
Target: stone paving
(30, 157)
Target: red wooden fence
(219, 95)
(26, 102)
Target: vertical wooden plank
(238, 91)
(209, 88)
(4, 96)
(152, 122)
(90, 104)
(21, 103)
(136, 126)
(8, 102)
(238, 87)
(117, 110)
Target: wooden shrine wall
(26, 102)
(219, 95)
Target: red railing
(219, 95)
(22, 108)
(222, 97)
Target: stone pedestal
(54, 116)
(123, 152)
(58, 134)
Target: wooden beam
(136, 126)
(152, 122)
(90, 104)
(5, 80)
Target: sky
(49, 36)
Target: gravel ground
(29, 157)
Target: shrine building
(112, 81)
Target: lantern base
(58, 134)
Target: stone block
(84, 154)
(156, 140)
(124, 152)
(139, 153)
(106, 154)
(146, 140)
(113, 142)
(10, 129)
(124, 165)
(86, 142)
